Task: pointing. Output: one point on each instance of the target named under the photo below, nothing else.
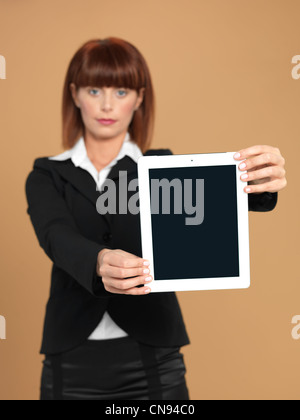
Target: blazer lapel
(130, 167)
(79, 178)
(85, 183)
(125, 164)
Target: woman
(106, 337)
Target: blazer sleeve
(58, 234)
(262, 202)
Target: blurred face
(106, 112)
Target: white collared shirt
(107, 328)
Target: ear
(73, 90)
(140, 98)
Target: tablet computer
(194, 222)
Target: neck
(105, 150)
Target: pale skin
(122, 272)
(103, 142)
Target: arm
(265, 174)
(58, 234)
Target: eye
(121, 93)
(94, 92)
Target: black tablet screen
(194, 222)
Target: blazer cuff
(262, 202)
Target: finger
(255, 151)
(135, 291)
(124, 273)
(269, 173)
(264, 159)
(124, 259)
(272, 187)
(257, 168)
(128, 284)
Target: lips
(105, 121)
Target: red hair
(110, 62)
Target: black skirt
(119, 369)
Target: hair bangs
(109, 66)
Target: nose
(107, 102)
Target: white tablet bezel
(178, 161)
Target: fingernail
(237, 156)
(146, 263)
(243, 166)
(245, 176)
(248, 189)
(148, 279)
(147, 291)
(146, 271)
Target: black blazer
(62, 206)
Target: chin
(101, 136)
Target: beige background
(222, 73)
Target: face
(106, 112)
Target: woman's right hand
(117, 269)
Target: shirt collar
(78, 153)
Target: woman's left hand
(264, 166)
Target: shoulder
(48, 163)
(41, 163)
(44, 172)
(158, 152)
(40, 166)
